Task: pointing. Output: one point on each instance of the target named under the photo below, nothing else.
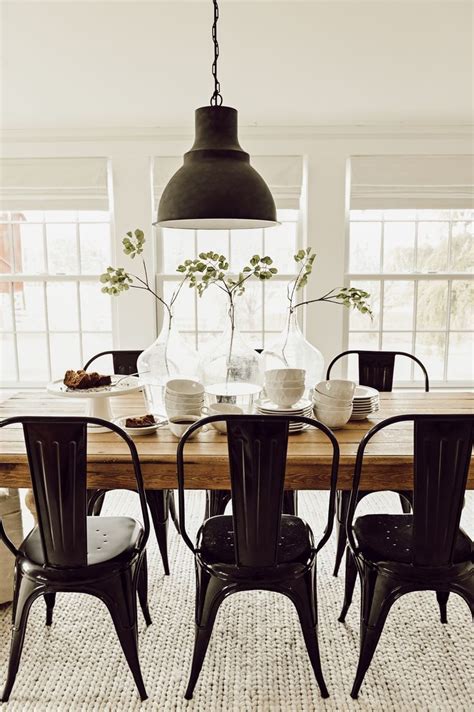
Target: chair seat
(108, 539)
(217, 540)
(388, 537)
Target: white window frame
(415, 277)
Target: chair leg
(95, 502)
(120, 596)
(209, 596)
(378, 595)
(406, 500)
(342, 505)
(349, 584)
(158, 504)
(50, 600)
(216, 502)
(442, 597)
(24, 595)
(303, 594)
(142, 588)
(290, 502)
(172, 510)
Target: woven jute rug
(256, 659)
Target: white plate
(147, 430)
(365, 392)
(265, 405)
(119, 387)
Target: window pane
(249, 308)
(62, 249)
(29, 306)
(243, 245)
(365, 246)
(399, 247)
(398, 305)
(177, 246)
(31, 253)
(7, 358)
(93, 215)
(276, 305)
(60, 216)
(462, 247)
(280, 243)
(462, 304)
(398, 214)
(96, 308)
(433, 238)
(95, 343)
(430, 349)
(213, 241)
(366, 214)
(65, 354)
(6, 321)
(62, 306)
(399, 342)
(362, 322)
(432, 305)
(212, 310)
(206, 338)
(253, 339)
(95, 248)
(184, 309)
(33, 357)
(461, 356)
(6, 260)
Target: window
(260, 312)
(53, 315)
(418, 266)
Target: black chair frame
(61, 506)
(376, 369)
(160, 502)
(256, 566)
(443, 443)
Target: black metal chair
(70, 552)
(160, 502)
(257, 548)
(376, 369)
(396, 554)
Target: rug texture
(256, 660)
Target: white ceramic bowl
(222, 409)
(180, 423)
(333, 418)
(174, 410)
(330, 402)
(284, 375)
(184, 386)
(344, 390)
(283, 395)
(178, 398)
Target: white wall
(90, 64)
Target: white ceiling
(96, 64)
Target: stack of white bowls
(332, 402)
(183, 397)
(285, 386)
(366, 402)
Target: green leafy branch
(117, 280)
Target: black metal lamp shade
(216, 188)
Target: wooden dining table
(388, 463)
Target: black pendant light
(216, 188)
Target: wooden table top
(388, 462)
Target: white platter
(363, 392)
(160, 421)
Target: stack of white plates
(183, 397)
(264, 406)
(365, 403)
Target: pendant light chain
(216, 98)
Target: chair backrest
(442, 457)
(376, 368)
(57, 458)
(257, 447)
(124, 361)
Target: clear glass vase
(168, 356)
(292, 350)
(231, 369)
